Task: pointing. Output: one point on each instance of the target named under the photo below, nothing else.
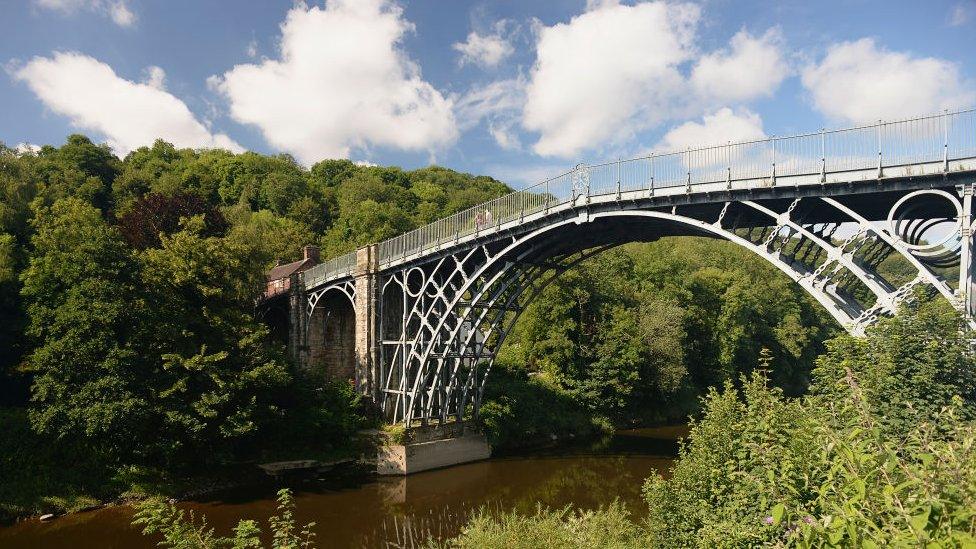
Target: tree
(218, 376)
(155, 214)
(84, 311)
(909, 366)
(80, 169)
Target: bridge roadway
(425, 312)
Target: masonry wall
(331, 338)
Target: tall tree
(84, 311)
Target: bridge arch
(471, 306)
(330, 332)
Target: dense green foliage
(520, 410)
(638, 333)
(127, 291)
(127, 304)
(861, 462)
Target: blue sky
(513, 89)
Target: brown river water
(360, 510)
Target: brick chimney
(311, 252)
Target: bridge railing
(936, 139)
(336, 267)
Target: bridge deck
(907, 154)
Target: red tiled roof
(286, 270)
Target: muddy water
(363, 511)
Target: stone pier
(433, 447)
(367, 316)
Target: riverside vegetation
(132, 349)
(880, 453)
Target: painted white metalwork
(451, 291)
(914, 147)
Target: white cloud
(860, 82)
(117, 10)
(753, 67)
(487, 100)
(121, 14)
(485, 50)
(342, 82)
(27, 148)
(129, 114)
(961, 13)
(607, 74)
(252, 49)
(720, 127)
(155, 77)
(499, 103)
(504, 132)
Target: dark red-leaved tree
(157, 213)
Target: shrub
(181, 530)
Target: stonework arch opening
(332, 337)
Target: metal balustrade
(332, 268)
(932, 142)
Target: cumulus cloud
(485, 50)
(129, 114)
(861, 82)
(607, 74)
(719, 127)
(117, 10)
(342, 82)
(752, 67)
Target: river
(358, 510)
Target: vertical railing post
(618, 178)
(573, 180)
(945, 141)
(823, 156)
(880, 169)
(586, 174)
(728, 161)
(652, 176)
(688, 164)
(547, 197)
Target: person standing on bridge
(487, 218)
(479, 220)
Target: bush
(566, 528)
(863, 462)
(180, 530)
(519, 411)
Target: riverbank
(356, 508)
(44, 477)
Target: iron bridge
(424, 314)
